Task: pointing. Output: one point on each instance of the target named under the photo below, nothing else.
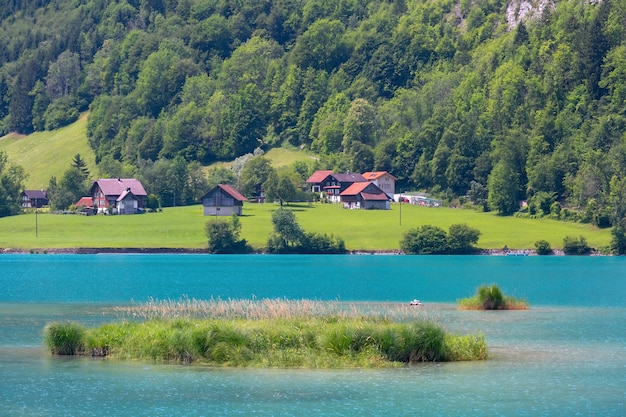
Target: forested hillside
(500, 100)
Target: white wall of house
(127, 206)
(387, 184)
(222, 211)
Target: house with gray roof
(34, 198)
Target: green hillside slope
(47, 154)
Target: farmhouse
(317, 179)
(223, 200)
(119, 195)
(365, 195)
(332, 184)
(34, 198)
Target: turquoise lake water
(566, 356)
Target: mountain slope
(47, 154)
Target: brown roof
(379, 196)
(233, 193)
(117, 186)
(373, 175)
(319, 176)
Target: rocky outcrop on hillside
(524, 10)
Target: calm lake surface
(566, 356)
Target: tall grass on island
(490, 297)
(271, 333)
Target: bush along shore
(490, 297)
(248, 333)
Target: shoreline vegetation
(165, 250)
(490, 297)
(268, 333)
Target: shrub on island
(65, 338)
(490, 297)
(307, 340)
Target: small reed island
(490, 297)
(268, 333)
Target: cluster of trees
(12, 179)
(288, 237)
(433, 240)
(452, 97)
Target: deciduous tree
(12, 179)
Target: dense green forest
(500, 101)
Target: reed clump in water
(278, 333)
(65, 338)
(490, 297)
(267, 308)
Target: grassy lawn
(279, 157)
(183, 227)
(47, 154)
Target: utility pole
(36, 219)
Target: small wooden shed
(223, 200)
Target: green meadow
(47, 154)
(367, 230)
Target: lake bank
(96, 251)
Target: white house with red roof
(365, 195)
(384, 180)
(119, 195)
(223, 200)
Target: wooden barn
(223, 200)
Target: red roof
(117, 186)
(373, 175)
(233, 193)
(355, 188)
(85, 202)
(319, 176)
(367, 190)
